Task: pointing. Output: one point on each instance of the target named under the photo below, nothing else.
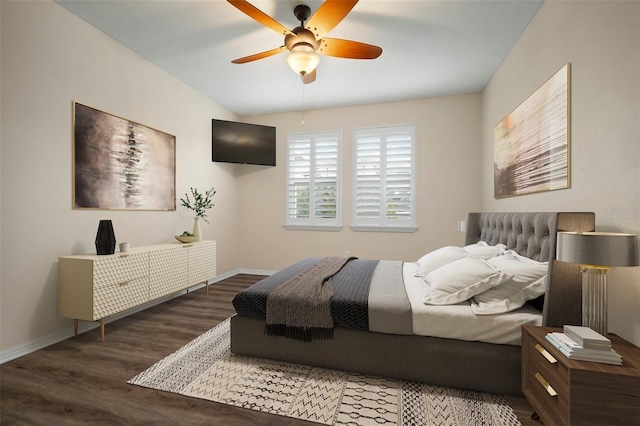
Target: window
(384, 196)
(313, 181)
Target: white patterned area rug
(205, 368)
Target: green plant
(201, 202)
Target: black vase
(106, 238)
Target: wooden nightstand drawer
(547, 364)
(564, 391)
(548, 400)
(545, 380)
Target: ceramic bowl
(186, 239)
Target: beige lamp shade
(597, 248)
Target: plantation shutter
(384, 178)
(313, 180)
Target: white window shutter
(384, 195)
(313, 180)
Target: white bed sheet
(459, 321)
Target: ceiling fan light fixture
(308, 39)
(303, 59)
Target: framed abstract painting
(119, 164)
(532, 143)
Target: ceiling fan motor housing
(301, 36)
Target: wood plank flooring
(82, 381)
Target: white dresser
(93, 287)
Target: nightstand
(563, 391)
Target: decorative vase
(106, 238)
(196, 229)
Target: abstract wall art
(119, 164)
(531, 144)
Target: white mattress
(459, 322)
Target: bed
(490, 364)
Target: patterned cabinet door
(202, 262)
(169, 271)
(120, 297)
(119, 268)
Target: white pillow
(462, 279)
(528, 282)
(482, 250)
(437, 258)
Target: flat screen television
(243, 143)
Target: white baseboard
(251, 272)
(51, 339)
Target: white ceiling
(430, 48)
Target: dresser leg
(535, 416)
(75, 327)
(206, 286)
(102, 330)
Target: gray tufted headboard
(533, 234)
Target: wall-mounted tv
(243, 143)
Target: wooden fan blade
(309, 77)
(255, 13)
(348, 49)
(328, 15)
(260, 55)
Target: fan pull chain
(302, 112)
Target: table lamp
(596, 252)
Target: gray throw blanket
(300, 308)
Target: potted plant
(200, 204)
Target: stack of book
(584, 344)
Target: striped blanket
(300, 308)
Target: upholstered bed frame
(478, 366)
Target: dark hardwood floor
(82, 381)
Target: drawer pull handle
(551, 391)
(187, 245)
(123, 255)
(122, 284)
(546, 354)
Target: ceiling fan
(307, 40)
